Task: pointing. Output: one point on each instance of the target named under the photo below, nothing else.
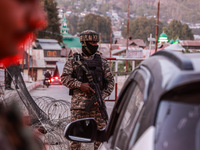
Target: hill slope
(185, 10)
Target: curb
(33, 86)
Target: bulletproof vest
(95, 68)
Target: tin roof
(190, 43)
(133, 42)
(175, 47)
(73, 42)
(49, 44)
(46, 41)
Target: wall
(40, 75)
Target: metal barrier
(116, 60)
(53, 115)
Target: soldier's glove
(85, 87)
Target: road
(55, 91)
(60, 92)
(50, 100)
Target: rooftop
(72, 43)
(48, 44)
(190, 43)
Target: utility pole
(111, 36)
(32, 68)
(23, 55)
(157, 26)
(127, 36)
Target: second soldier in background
(74, 77)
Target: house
(191, 45)
(135, 47)
(137, 43)
(45, 56)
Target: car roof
(169, 70)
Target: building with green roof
(171, 41)
(69, 40)
(177, 40)
(163, 38)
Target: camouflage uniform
(79, 98)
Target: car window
(117, 110)
(178, 126)
(119, 115)
(135, 103)
(137, 83)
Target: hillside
(185, 10)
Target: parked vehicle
(157, 109)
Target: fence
(116, 72)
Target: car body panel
(146, 141)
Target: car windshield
(178, 126)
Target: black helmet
(86, 37)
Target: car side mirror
(81, 130)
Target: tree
(97, 23)
(103, 8)
(52, 31)
(72, 23)
(178, 30)
(141, 28)
(186, 33)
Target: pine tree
(141, 28)
(52, 31)
(97, 23)
(177, 30)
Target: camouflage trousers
(95, 113)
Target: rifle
(97, 98)
(97, 95)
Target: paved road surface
(61, 92)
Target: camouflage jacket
(79, 98)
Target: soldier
(75, 78)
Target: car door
(133, 94)
(132, 109)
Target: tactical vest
(95, 68)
